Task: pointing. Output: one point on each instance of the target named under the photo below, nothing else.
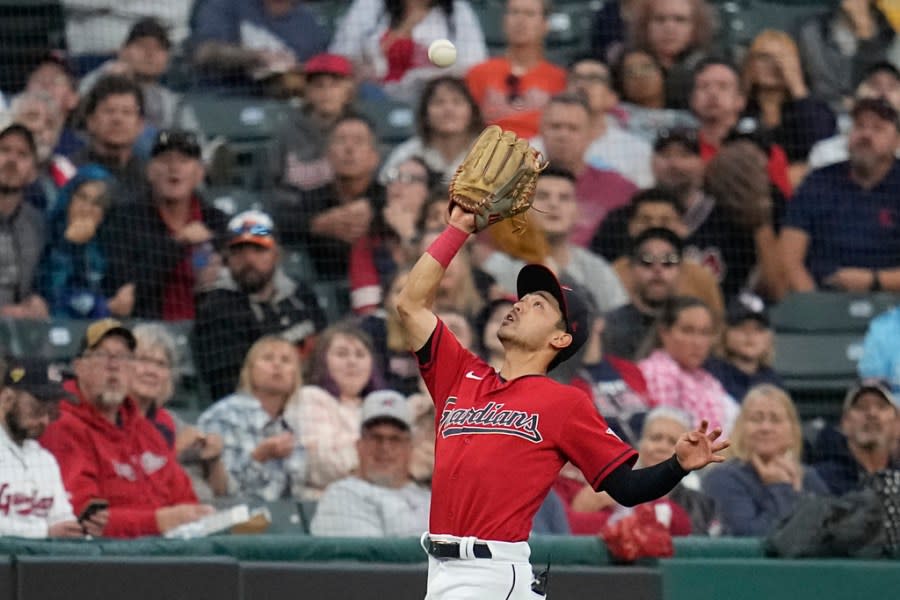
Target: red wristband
(445, 247)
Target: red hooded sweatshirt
(128, 464)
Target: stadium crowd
(693, 185)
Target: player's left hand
(698, 448)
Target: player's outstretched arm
(416, 297)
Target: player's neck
(519, 363)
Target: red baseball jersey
(500, 444)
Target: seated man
(107, 449)
(867, 436)
(383, 500)
(252, 298)
(33, 501)
(841, 230)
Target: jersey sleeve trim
(627, 455)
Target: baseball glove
(497, 178)
(739, 181)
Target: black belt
(451, 549)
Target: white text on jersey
(491, 419)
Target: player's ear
(560, 340)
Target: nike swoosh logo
(472, 375)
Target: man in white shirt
(381, 500)
(33, 501)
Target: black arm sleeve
(630, 487)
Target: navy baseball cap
(36, 377)
(538, 278)
(747, 306)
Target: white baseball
(442, 53)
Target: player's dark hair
(559, 172)
(425, 130)
(653, 196)
(319, 374)
(113, 85)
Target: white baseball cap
(386, 404)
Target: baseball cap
(679, 135)
(880, 106)
(180, 140)
(879, 386)
(251, 227)
(744, 307)
(538, 278)
(36, 377)
(386, 404)
(149, 27)
(333, 64)
(100, 330)
(24, 132)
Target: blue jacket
(881, 349)
(71, 275)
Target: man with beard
(867, 436)
(842, 229)
(162, 249)
(381, 500)
(22, 232)
(107, 449)
(654, 265)
(252, 298)
(33, 501)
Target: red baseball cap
(333, 64)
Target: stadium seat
(307, 510)
(232, 200)
(56, 340)
(7, 338)
(298, 265)
(334, 298)
(830, 311)
(742, 20)
(394, 121)
(27, 31)
(286, 518)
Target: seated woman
(388, 40)
(690, 511)
(447, 122)
(152, 385)
(685, 330)
(327, 414)
(261, 453)
(762, 483)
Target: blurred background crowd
(207, 206)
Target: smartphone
(92, 508)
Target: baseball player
(502, 437)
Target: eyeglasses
(665, 260)
(110, 357)
(398, 176)
(513, 87)
(388, 440)
(640, 70)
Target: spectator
(747, 348)
(678, 34)
(459, 326)
(114, 118)
(327, 413)
(328, 95)
(565, 130)
(447, 121)
(880, 355)
(233, 39)
(840, 231)
(689, 511)
(653, 267)
(96, 29)
(253, 297)
(162, 248)
(513, 89)
(612, 146)
(658, 208)
(36, 504)
(718, 102)
(556, 215)
(779, 100)
(381, 500)
(390, 242)
(74, 264)
(153, 385)
(609, 28)
(760, 486)
(674, 371)
(330, 218)
(838, 46)
(616, 385)
(389, 39)
(261, 451)
(107, 449)
(866, 438)
(882, 80)
(640, 83)
(487, 324)
(463, 287)
(22, 233)
(53, 75)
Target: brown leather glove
(738, 179)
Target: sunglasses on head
(645, 259)
(254, 229)
(398, 176)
